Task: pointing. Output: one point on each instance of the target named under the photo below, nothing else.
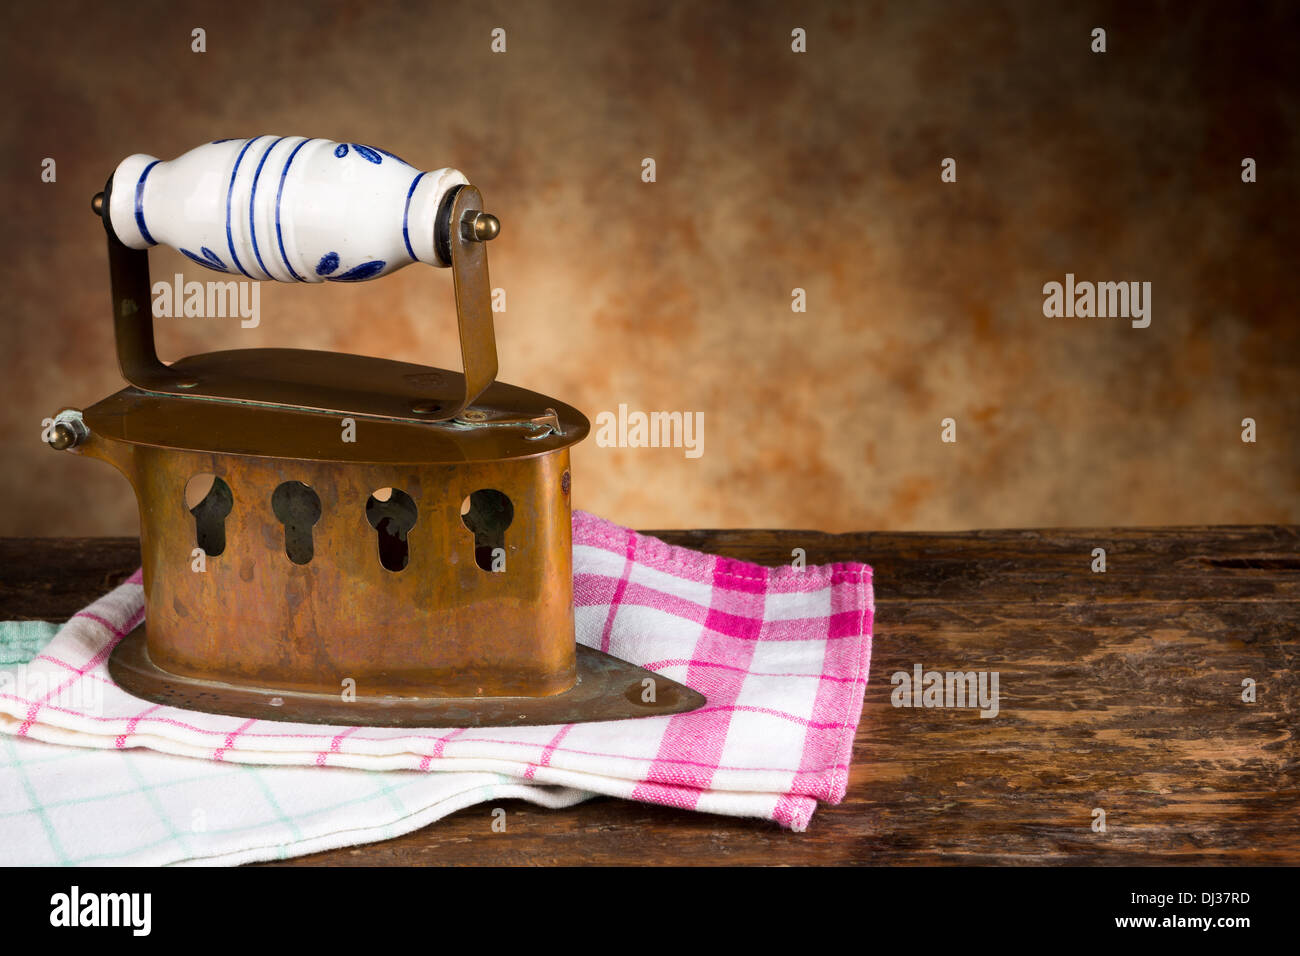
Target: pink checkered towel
(781, 654)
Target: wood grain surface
(1120, 691)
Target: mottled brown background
(775, 170)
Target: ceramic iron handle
(287, 208)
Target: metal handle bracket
(317, 384)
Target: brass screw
(474, 415)
(97, 204)
(480, 226)
(62, 436)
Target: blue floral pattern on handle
(209, 259)
(368, 153)
(366, 270)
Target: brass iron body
(438, 639)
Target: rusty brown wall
(775, 170)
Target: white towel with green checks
(78, 806)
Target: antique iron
(375, 542)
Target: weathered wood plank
(1036, 565)
(1186, 564)
(50, 579)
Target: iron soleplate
(607, 689)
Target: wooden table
(1120, 691)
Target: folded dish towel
(782, 655)
(76, 807)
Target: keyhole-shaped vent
(298, 508)
(487, 512)
(392, 513)
(208, 498)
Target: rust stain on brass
(440, 626)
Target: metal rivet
(422, 406)
(97, 204)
